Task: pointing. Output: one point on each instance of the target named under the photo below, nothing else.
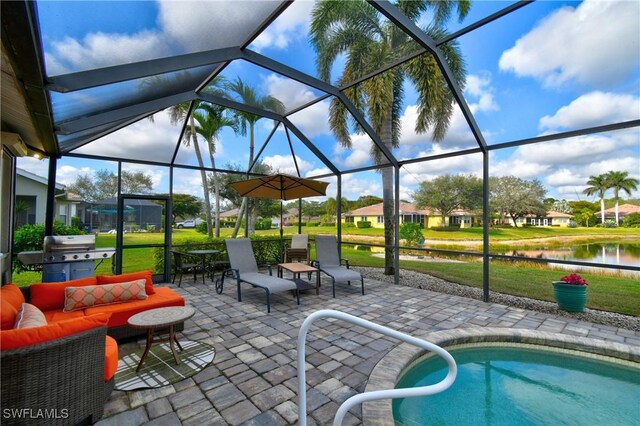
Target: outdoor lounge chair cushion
(104, 294)
(29, 316)
(48, 296)
(11, 298)
(121, 312)
(274, 284)
(340, 273)
(21, 337)
(145, 275)
(110, 358)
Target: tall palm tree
(211, 119)
(177, 115)
(598, 185)
(621, 181)
(357, 31)
(248, 96)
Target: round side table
(155, 319)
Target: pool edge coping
(387, 371)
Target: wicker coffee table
(159, 318)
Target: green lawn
(606, 292)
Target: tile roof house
(427, 218)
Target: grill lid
(68, 243)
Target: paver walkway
(253, 381)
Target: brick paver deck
(252, 380)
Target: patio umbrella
(280, 187)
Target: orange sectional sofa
(64, 362)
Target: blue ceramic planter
(570, 298)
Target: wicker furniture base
(60, 382)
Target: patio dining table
(203, 254)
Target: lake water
(604, 253)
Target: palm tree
(598, 185)
(210, 120)
(620, 181)
(177, 115)
(248, 96)
(357, 31)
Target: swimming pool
(524, 385)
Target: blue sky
(548, 67)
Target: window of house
(380, 219)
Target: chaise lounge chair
(328, 261)
(245, 270)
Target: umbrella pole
(281, 234)
(281, 230)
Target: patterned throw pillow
(83, 297)
(29, 316)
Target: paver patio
(253, 380)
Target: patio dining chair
(244, 269)
(182, 265)
(298, 250)
(329, 262)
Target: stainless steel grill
(66, 257)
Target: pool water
(511, 385)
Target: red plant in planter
(573, 279)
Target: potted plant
(571, 293)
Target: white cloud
(479, 94)
(413, 174)
(313, 120)
(291, 24)
(593, 109)
(67, 174)
(187, 182)
(595, 43)
(360, 152)
(151, 141)
(182, 27)
(98, 50)
(284, 164)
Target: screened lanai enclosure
(375, 97)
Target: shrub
(348, 225)
(363, 224)
(572, 224)
(263, 224)
(313, 223)
(299, 224)
(75, 222)
(631, 221)
(202, 227)
(609, 224)
(31, 237)
(411, 233)
(330, 224)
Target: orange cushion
(29, 316)
(76, 298)
(48, 296)
(146, 275)
(11, 298)
(58, 315)
(121, 312)
(13, 339)
(110, 358)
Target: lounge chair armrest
(346, 262)
(236, 273)
(266, 265)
